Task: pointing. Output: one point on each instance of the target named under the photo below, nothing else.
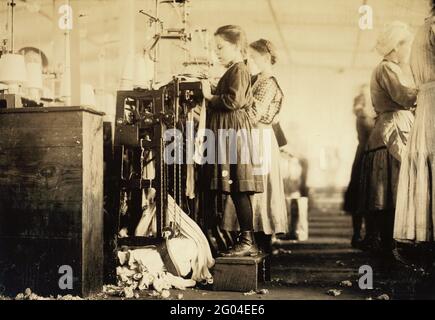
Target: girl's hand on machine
(206, 89)
(202, 75)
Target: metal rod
(184, 28)
(154, 19)
(13, 4)
(279, 29)
(156, 48)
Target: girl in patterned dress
(270, 213)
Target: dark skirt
(379, 180)
(225, 174)
(352, 194)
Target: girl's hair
(235, 35)
(433, 7)
(264, 47)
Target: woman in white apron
(415, 211)
(392, 99)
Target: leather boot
(244, 247)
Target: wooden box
(51, 199)
(241, 274)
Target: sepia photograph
(216, 156)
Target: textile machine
(143, 118)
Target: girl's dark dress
(228, 110)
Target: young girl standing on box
(227, 112)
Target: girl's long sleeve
(232, 94)
(399, 93)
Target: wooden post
(68, 11)
(75, 55)
(126, 45)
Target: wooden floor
(308, 270)
(327, 258)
